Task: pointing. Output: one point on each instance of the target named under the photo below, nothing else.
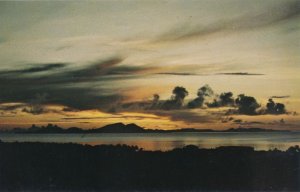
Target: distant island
(123, 128)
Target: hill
(123, 128)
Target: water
(168, 141)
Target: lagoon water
(168, 141)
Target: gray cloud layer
(239, 73)
(281, 12)
(67, 86)
(40, 68)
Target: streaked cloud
(66, 87)
(174, 73)
(280, 97)
(240, 73)
(262, 18)
(111, 57)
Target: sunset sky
(93, 63)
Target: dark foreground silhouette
(50, 166)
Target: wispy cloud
(179, 74)
(11, 106)
(35, 69)
(207, 74)
(189, 116)
(279, 13)
(239, 73)
(280, 97)
(66, 87)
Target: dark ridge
(74, 167)
(122, 128)
(118, 128)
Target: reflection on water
(167, 141)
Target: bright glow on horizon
(80, 63)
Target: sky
(92, 63)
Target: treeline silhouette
(52, 166)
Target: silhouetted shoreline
(53, 167)
(129, 128)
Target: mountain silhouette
(119, 128)
(125, 128)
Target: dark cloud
(155, 102)
(280, 13)
(281, 122)
(86, 118)
(179, 74)
(69, 109)
(72, 88)
(35, 106)
(176, 102)
(138, 117)
(34, 110)
(247, 105)
(177, 99)
(240, 73)
(97, 69)
(142, 106)
(188, 116)
(35, 69)
(248, 123)
(227, 119)
(238, 121)
(11, 107)
(197, 74)
(179, 93)
(45, 67)
(174, 107)
(280, 97)
(205, 91)
(243, 105)
(225, 99)
(196, 103)
(275, 108)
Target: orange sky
(89, 64)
